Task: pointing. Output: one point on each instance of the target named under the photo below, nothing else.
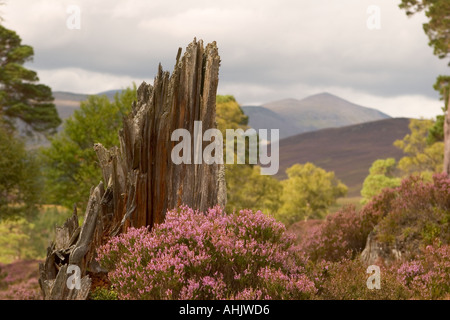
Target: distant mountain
(315, 112)
(348, 151)
(262, 118)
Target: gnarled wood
(142, 182)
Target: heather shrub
(211, 255)
(428, 277)
(340, 233)
(418, 215)
(347, 280)
(412, 216)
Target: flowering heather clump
(340, 233)
(214, 255)
(412, 215)
(429, 276)
(418, 215)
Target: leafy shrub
(381, 175)
(70, 163)
(308, 193)
(215, 255)
(19, 176)
(15, 240)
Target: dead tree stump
(140, 182)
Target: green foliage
(438, 26)
(247, 188)
(229, 114)
(420, 158)
(381, 175)
(22, 238)
(104, 294)
(385, 167)
(44, 224)
(423, 156)
(19, 177)
(308, 193)
(15, 240)
(442, 85)
(436, 132)
(71, 166)
(20, 95)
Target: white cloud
(410, 106)
(82, 81)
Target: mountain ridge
(315, 112)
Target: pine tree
(21, 96)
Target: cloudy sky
(270, 49)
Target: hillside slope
(348, 151)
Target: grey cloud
(263, 44)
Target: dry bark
(142, 182)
